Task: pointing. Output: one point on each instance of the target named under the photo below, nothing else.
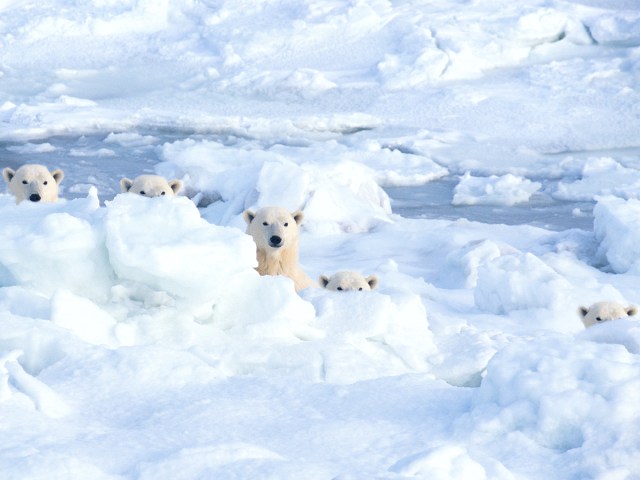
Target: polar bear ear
(126, 184)
(582, 311)
(248, 216)
(57, 175)
(176, 185)
(298, 216)
(631, 310)
(372, 280)
(324, 281)
(8, 174)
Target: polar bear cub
(601, 312)
(33, 182)
(275, 232)
(151, 186)
(348, 281)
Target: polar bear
(348, 281)
(604, 311)
(151, 186)
(275, 232)
(33, 182)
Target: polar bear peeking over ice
(275, 232)
(601, 312)
(348, 281)
(151, 186)
(33, 182)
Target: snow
(614, 229)
(504, 190)
(479, 158)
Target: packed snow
(480, 158)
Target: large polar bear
(151, 186)
(348, 281)
(604, 311)
(275, 232)
(33, 182)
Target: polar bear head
(33, 182)
(348, 281)
(151, 186)
(274, 228)
(605, 311)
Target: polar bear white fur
(33, 182)
(348, 281)
(151, 186)
(601, 312)
(275, 232)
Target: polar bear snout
(275, 241)
(35, 197)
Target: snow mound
(519, 282)
(617, 229)
(142, 271)
(562, 402)
(504, 190)
(55, 246)
(370, 335)
(450, 461)
(600, 177)
(166, 245)
(231, 180)
(625, 332)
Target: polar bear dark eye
(25, 182)
(162, 193)
(45, 182)
(286, 224)
(360, 289)
(265, 224)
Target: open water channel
(93, 160)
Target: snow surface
(138, 341)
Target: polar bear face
(151, 186)
(33, 182)
(348, 281)
(605, 311)
(273, 228)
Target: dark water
(88, 160)
(94, 160)
(433, 200)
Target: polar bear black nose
(275, 241)
(34, 197)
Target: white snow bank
(617, 26)
(617, 228)
(164, 244)
(15, 381)
(31, 148)
(625, 332)
(316, 105)
(495, 190)
(519, 281)
(143, 271)
(371, 335)
(450, 461)
(550, 398)
(53, 246)
(295, 178)
(600, 176)
(200, 462)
